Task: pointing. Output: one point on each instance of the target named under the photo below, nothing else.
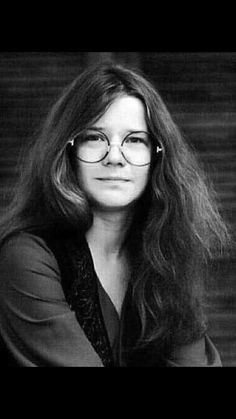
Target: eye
(133, 139)
(92, 138)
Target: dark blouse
(38, 326)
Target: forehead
(124, 113)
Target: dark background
(199, 89)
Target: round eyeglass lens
(91, 147)
(136, 149)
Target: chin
(110, 203)
(113, 199)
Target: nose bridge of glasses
(114, 144)
(115, 151)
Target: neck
(108, 231)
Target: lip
(113, 179)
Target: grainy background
(199, 90)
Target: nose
(115, 155)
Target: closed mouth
(118, 179)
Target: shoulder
(23, 240)
(25, 251)
(25, 244)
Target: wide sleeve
(36, 324)
(201, 353)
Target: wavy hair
(178, 225)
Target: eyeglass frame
(72, 139)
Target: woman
(104, 249)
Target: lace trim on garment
(83, 298)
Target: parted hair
(177, 229)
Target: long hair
(180, 229)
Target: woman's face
(114, 184)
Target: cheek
(84, 174)
(141, 176)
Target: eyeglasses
(92, 146)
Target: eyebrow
(136, 131)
